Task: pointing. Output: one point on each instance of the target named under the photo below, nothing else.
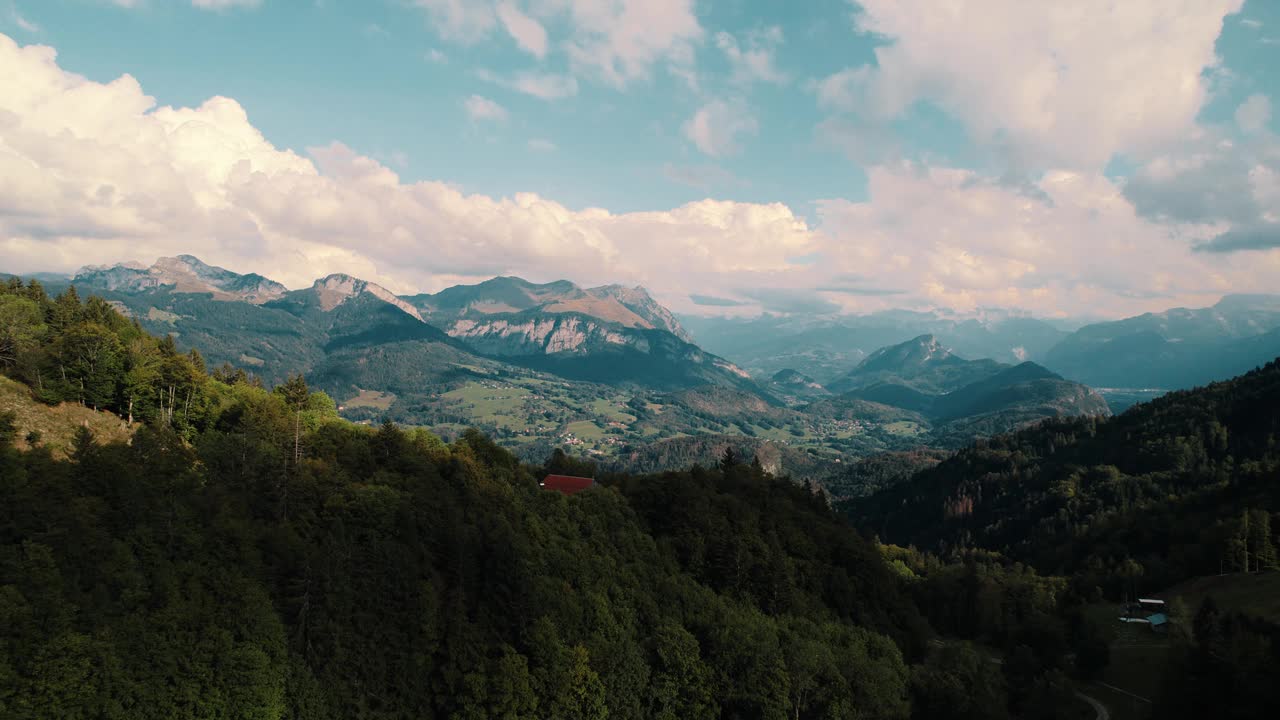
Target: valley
(941, 510)
(606, 371)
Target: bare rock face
(336, 289)
(630, 307)
(638, 301)
(544, 334)
(184, 274)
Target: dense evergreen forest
(1185, 485)
(248, 554)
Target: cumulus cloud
(1264, 236)
(460, 21)
(958, 240)
(1254, 113)
(23, 23)
(527, 32)
(614, 41)
(716, 127)
(1220, 178)
(619, 41)
(544, 86)
(753, 62)
(96, 172)
(482, 108)
(1063, 85)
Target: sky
(1095, 158)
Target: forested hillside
(1184, 485)
(248, 554)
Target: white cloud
(619, 40)
(1056, 84)
(756, 62)
(1254, 113)
(22, 22)
(1077, 246)
(542, 145)
(462, 21)
(527, 32)
(1220, 177)
(716, 127)
(96, 172)
(213, 4)
(482, 108)
(435, 56)
(614, 41)
(544, 86)
(93, 172)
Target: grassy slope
(1138, 656)
(1257, 595)
(56, 424)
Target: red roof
(567, 484)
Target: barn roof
(567, 484)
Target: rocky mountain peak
(184, 274)
(333, 290)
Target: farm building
(567, 484)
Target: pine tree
(1264, 551)
(728, 459)
(295, 392)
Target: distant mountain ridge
(958, 397)
(505, 296)
(1175, 349)
(825, 348)
(610, 334)
(921, 364)
(184, 274)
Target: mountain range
(611, 334)
(1175, 349)
(931, 385)
(1128, 360)
(606, 368)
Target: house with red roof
(567, 484)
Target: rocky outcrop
(333, 290)
(182, 274)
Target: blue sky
(852, 116)
(361, 72)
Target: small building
(1159, 622)
(567, 484)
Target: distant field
(903, 427)
(586, 430)
(56, 424)
(371, 399)
(612, 409)
(502, 405)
